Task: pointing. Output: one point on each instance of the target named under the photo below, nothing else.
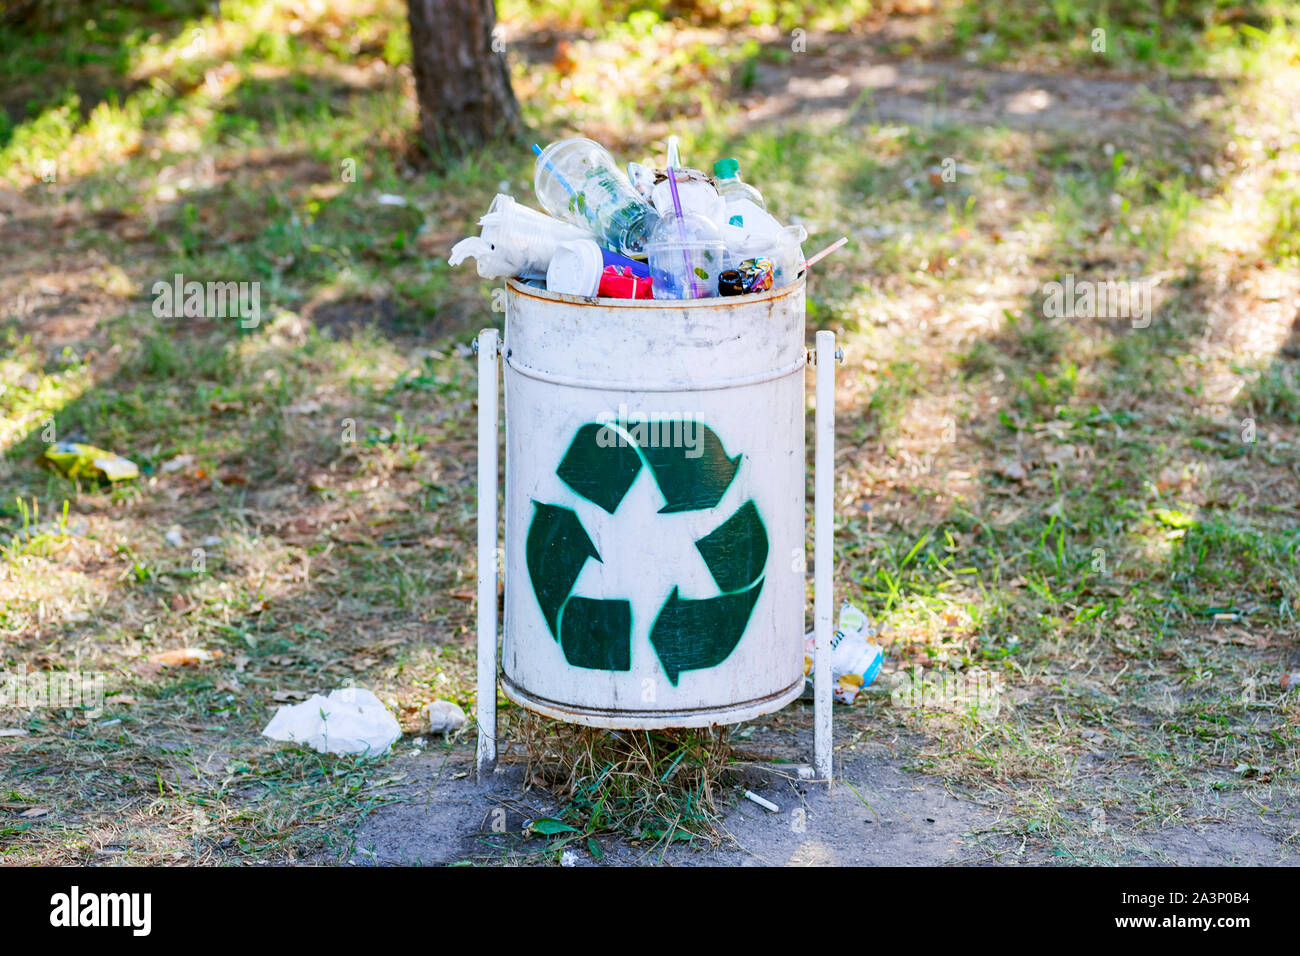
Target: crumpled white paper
(350, 720)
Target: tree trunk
(462, 82)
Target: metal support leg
(486, 754)
(824, 553)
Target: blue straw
(537, 151)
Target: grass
(1065, 504)
(652, 787)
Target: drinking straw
(537, 151)
(809, 263)
(681, 229)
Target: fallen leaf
(34, 812)
(284, 696)
(565, 59)
(184, 657)
(1237, 635)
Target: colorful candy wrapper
(752, 275)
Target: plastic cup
(518, 220)
(575, 268)
(577, 180)
(696, 194)
(787, 255)
(514, 240)
(686, 255)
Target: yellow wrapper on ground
(77, 461)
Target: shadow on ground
(878, 813)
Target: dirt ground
(876, 813)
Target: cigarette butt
(767, 805)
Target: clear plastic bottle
(578, 181)
(730, 186)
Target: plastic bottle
(749, 232)
(730, 186)
(578, 181)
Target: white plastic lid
(575, 268)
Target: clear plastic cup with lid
(686, 255)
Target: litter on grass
(75, 460)
(350, 720)
(855, 658)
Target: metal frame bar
(485, 757)
(824, 553)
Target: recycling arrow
(690, 478)
(557, 549)
(596, 634)
(690, 635)
(600, 465)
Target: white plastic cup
(575, 268)
(514, 240)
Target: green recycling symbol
(687, 634)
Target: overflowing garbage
(671, 233)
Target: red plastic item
(617, 283)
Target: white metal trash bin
(655, 500)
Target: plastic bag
(350, 720)
(75, 460)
